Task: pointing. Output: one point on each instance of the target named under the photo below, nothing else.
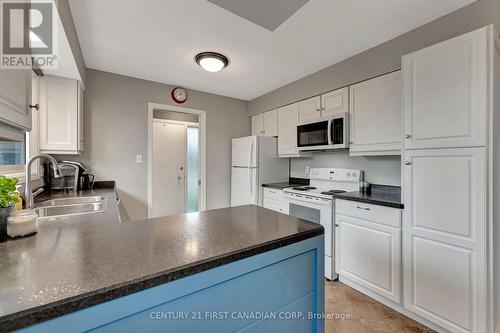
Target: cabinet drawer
(378, 214)
(272, 193)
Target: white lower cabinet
(368, 247)
(272, 199)
(445, 237)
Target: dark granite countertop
(83, 260)
(383, 195)
(292, 182)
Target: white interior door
(169, 158)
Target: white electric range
(315, 203)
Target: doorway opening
(176, 160)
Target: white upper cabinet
(271, 123)
(446, 93)
(309, 109)
(288, 117)
(375, 111)
(336, 101)
(445, 224)
(15, 96)
(61, 118)
(265, 124)
(258, 124)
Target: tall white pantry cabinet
(451, 166)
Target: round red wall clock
(179, 95)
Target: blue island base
(277, 291)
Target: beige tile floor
(355, 312)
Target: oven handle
(329, 133)
(323, 202)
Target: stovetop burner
(304, 188)
(331, 192)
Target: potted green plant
(8, 197)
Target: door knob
(407, 136)
(407, 163)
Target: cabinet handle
(318, 110)
(36, 106)
(407, 163)
(322, 109)
(351, 143)
(337, 225)
(362, 208)
(407, 136)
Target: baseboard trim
(395, 306)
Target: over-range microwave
(324, 134)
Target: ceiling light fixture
(211, 61)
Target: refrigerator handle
(250, 175)
(250, 179)
(250, 154)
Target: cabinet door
(58, 115)
(272, 204)
(310, 109)
(81, 119)
(271, 123)
(287, 128)
(444, 237)
(334, 102)
(446, 93)
(375, 111)
(15, 95)
(370, 255)
(258, 124)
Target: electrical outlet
(138, 159)
(306, 170)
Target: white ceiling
(157, 39)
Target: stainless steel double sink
(71, 206)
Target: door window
(192, 169)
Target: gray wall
(384, 170)
(383, 58)
(116, 130)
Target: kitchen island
(235, 269)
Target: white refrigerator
(254, 161)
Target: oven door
(312, 209)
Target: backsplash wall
(384, 170)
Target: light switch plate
(138, 159)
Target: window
(12, 152)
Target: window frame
(31, 140)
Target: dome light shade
(211, 61)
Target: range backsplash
(384, 170)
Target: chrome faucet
(28, 195)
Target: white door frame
(202, 117)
